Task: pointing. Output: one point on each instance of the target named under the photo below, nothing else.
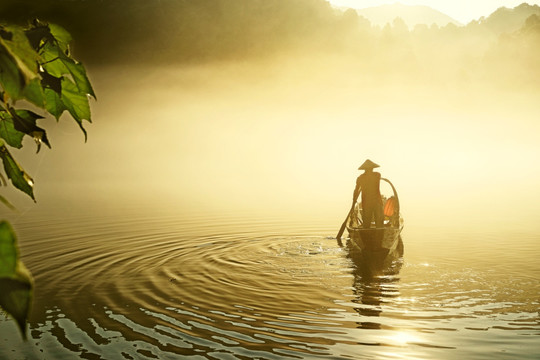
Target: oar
(342, 229)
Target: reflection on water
(376, 284)
(136, 285)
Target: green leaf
(53, 103)
(19, 50)
(12, 136)
(25, 122)
(19, 178)
(76, 103)
(78, 73)
(17, 123)
(10, 78)
(15, 279)
(62, 36)
(50, 54)
(26, 57)
(33, 92)
(58, 64)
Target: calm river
(135, 284)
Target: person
(369, 184)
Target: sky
(461, 10)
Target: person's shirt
(369, 183)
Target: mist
(450, 114)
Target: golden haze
(450, 114)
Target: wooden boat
(377, 247)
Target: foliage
(15, 279)
(36, 69)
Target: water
(140, 284)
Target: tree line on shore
(189, 31)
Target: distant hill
(505, 20)
(412, 15)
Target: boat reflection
(375, 283)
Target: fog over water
(276, 119)
(287, 137)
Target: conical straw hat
(368, 164)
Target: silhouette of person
(369, 183)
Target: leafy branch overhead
(37, 70)
(36, 66)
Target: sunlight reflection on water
(131, 286)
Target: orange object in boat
(390, 206)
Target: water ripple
(168, 287)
